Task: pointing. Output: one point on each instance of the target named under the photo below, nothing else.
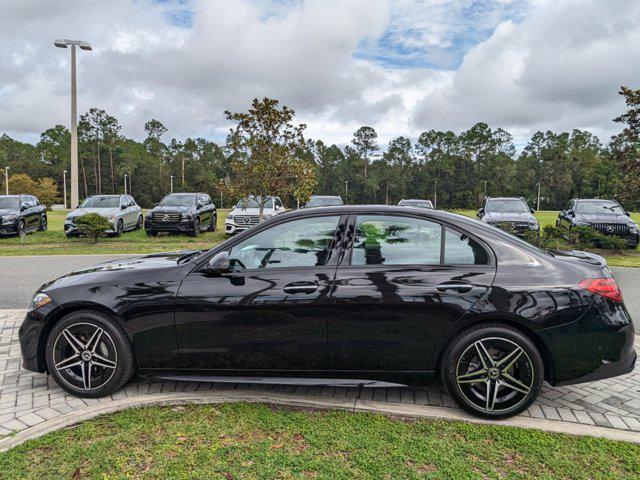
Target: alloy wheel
(495, 375)
(85, 356)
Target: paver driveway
(28, 399)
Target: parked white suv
(246, 213)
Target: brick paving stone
(27, 398)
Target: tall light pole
(538, 204)
(171, 183)
(6, 180)
(346, 191)
(64, 187)
(125, 183)
(64, 43)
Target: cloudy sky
(401, 66)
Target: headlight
(39, 300)
(112, 216)
(187, 216)
(9, 218)
(582, 224)
(229, 217)
(633, 229)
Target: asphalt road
(21, 276)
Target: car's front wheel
(213, 224)
(43, 223)
(196, 228)
(492, 371)
(89, 355)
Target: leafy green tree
(625, 148)
(264, 161)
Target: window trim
(353, 218)
(334, 250)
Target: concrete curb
(323, 403)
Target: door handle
(301, 287)
(455, 287)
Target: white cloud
(559, 66)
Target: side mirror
(627, 213)
(532, 210)
(23, 207)
(571, 213)
(480, 212)
(219, 263)
(123, 207)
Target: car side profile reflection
(345, 295)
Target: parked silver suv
(122, 211)
(246, 213)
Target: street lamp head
(64, 43)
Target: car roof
(325, 196)
(415, 200)
(13, 196)
(186, 194)
(380, 210)
(595, 200)
(505, 198)
(107, 195)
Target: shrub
(92, 225)
(580, 238)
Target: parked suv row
(21, 214)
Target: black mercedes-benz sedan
(21, 214)
(342, 296)
(605, 216)
(188, 213)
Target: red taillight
(606, 287)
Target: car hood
(171, 209)
(104, 212)
(117, 270)
(8, 211)
(251, 211)
(508, 217)
(603, 218)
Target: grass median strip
(235, 441)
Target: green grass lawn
(54, 241)
(235, 441)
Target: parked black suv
(509, 212)
(21, 214)
(605, 216)
(182, 213)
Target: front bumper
(9, 228)
(71, 229)
(32, 337)
(175, 227)
(230, 228)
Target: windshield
(507, 206)
(599, 207)
(251, 202)
(178, 201)
(324, 202)
(101, 202)
(416, 203)
(9, 202)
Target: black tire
(196, 228)
(21, 227)
(462, 371)
(43, 224)
(110, 361)
(119, 228)
(140, 222)
(213, 224)
(151, 233)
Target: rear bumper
(601, 344)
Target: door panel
(394, 296)
(270, 313)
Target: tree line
(456, 170)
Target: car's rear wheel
(89, 355)
(492, 371)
